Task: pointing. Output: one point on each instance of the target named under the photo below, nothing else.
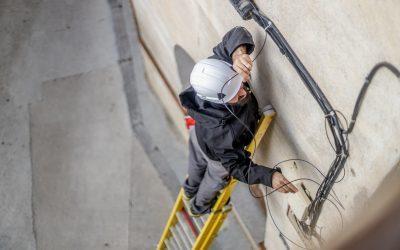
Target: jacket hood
(206, 113)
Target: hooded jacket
(220, 135)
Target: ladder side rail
(171, 220)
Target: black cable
(341, 124)
(364, 88)
(251, 132)
(311, 165)
(347, 127)
(238, 119)
(255, 142)
(346, 141)
(344, 175)
(298, 159)
(276, 226)
(290, 182)
(334, 124)
(290, 240)
(341, 144)
(262, 47)
(241, 122)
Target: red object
(189, 122)
(189, 221)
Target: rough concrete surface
(81, 156)
(150, 202)
(339, 42)
(83, 137)
(91, 172)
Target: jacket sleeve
(234, 38)
(239, 165)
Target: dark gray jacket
(220, 135)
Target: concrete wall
(339, 42)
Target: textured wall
(339, 42)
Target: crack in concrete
(32, 179)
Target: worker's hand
(280, 183)
(242, 62)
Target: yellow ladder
(185, 232)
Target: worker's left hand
(280, 183)
(242, 63)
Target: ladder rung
(177, 237)
(168, 244)
(186, 228)
(174, 244)
(186, 205)
(198, 222)
(204, 218)
(183, 236)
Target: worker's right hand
(282, 185)
(242, 63)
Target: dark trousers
(206, 177)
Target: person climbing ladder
(220, 101)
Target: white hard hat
(209, 75)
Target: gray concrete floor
(88, 158)
(73, 173)
(81, 156)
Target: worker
(218, 139)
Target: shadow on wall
(185, 64)
(376, 227)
